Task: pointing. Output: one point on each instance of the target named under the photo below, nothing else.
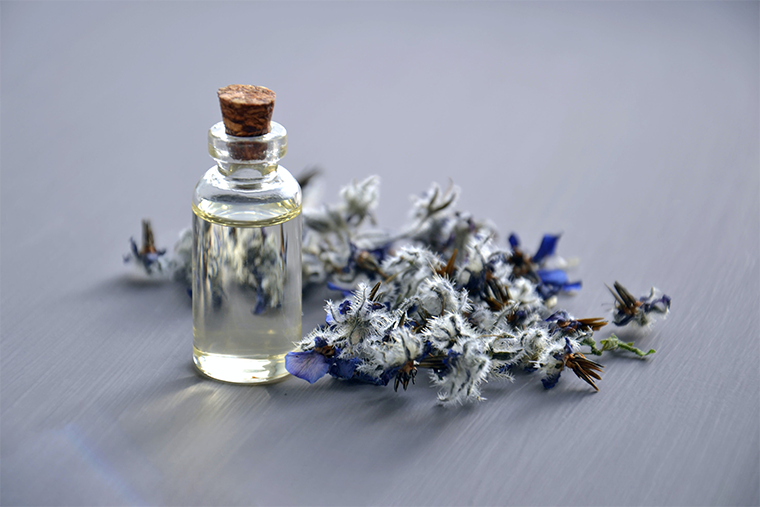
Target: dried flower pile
(438, 294)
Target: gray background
(630, 127)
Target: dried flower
(360, 198)
(639, 311)
(585, 369)
(468, 366)
(148, 257)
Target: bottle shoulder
(272, 199)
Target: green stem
(613, 343)
(591, 343)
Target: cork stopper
(246, 109)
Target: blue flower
(549, 281)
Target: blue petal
(660, 305)
(569, 287)
(332, 286)
(310, 366)
(451, 359)
(344, 368)
(380, 253)
(664, 300)
(514, 241)
(548, 245)
(261, 303)
(351, 259)
(621, 318)
(560, 315)
(520, 315)
(476, 283)
(133, 247)
(552, 276)
(551, 380)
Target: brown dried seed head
(148, 242)
(448, 270)
(584, 368)
(595, 323)
(373, 292)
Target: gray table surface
(630, 127)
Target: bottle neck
(247, 158)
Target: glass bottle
(246, 259)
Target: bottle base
(240, 369)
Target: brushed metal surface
(630, 127)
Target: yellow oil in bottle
(246, 292)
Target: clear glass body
(246, 259)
